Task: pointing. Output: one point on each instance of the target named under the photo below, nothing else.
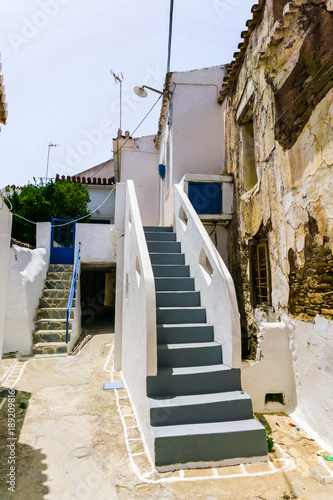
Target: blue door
(206, 197)
(62, 241)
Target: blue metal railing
(72, 290)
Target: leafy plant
(269, 440)
(39, 202)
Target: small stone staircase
(49, 336)
(198, 411)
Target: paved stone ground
(77, 441)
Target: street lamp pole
(51, 145)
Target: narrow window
(261, 278)
(250, 177)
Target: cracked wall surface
(294, 157)
(285, 77)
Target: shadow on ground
(29, 473)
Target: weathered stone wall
(294, 159)
(311, 284)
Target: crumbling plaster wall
(293, 196)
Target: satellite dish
(140, 91)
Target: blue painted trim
(113, 385)
(161, 171)
(62, 254)
(72, 290)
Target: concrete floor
(77, 441)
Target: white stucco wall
(139, 343)
(76, 325)
(197, 122)
(97, 245)
(120, 251)
(98, 194)
(43, 238)
(26, 275)
(196, 135)
(312, 350)
(5, 234)
(141, 166)
(273, 373)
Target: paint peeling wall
(26, 274)
(284, 88)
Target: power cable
(143, 119)
(170, 35)
(85, 216)
(66, 223)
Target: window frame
(255, 277)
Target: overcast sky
(56, 60)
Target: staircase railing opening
(72, 290)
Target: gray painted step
(173, 315)
(174, 284)
(202, 408)
(54, 268)
(49, 336)
(53, 293)
(168, 271)
(53, 313)
(182, 333)
(164, 246)
(54, 302)
(209, 442)
(167, 258)
(160, 236)
(51, 324)
(196, 354)
(194, 380)
(49, 348)
(58, 284)
(180, 299)
(158, 229)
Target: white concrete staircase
(198, 411)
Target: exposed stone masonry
(311, 285)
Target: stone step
(196, 354)
(164, 246)
(48, 336)
(53, 313)
(194, 380)
(157, 229)
(160, 236)
(170, 271)
(201, 408)
(51, 324)
(67, 275)
(55, 268)
(57, 284)
(49, 348)
(55, 294)
(167, 258)
(54, 302)
(180, 299)
(176, 315)
(209, 442)
(182, 333)
(174, 284)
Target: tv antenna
(118, 78)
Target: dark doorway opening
(98, 292)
